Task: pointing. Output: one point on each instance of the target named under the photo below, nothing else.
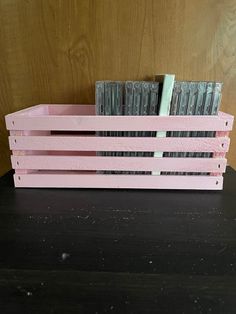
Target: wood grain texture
(54, 51)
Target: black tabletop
(117, 251)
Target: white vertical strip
(168, 84)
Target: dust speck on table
(64, 256)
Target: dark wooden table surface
(117, 251)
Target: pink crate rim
(40, 118)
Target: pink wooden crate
(56, 145)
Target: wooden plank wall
(53, 51)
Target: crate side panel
(119, 181)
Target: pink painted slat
(119, 181)
(91, 143)
(119, 163)
(56, 109)
(75, 110)
(23, 152)
(44, 110)
(19, 152)
(117, 123)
